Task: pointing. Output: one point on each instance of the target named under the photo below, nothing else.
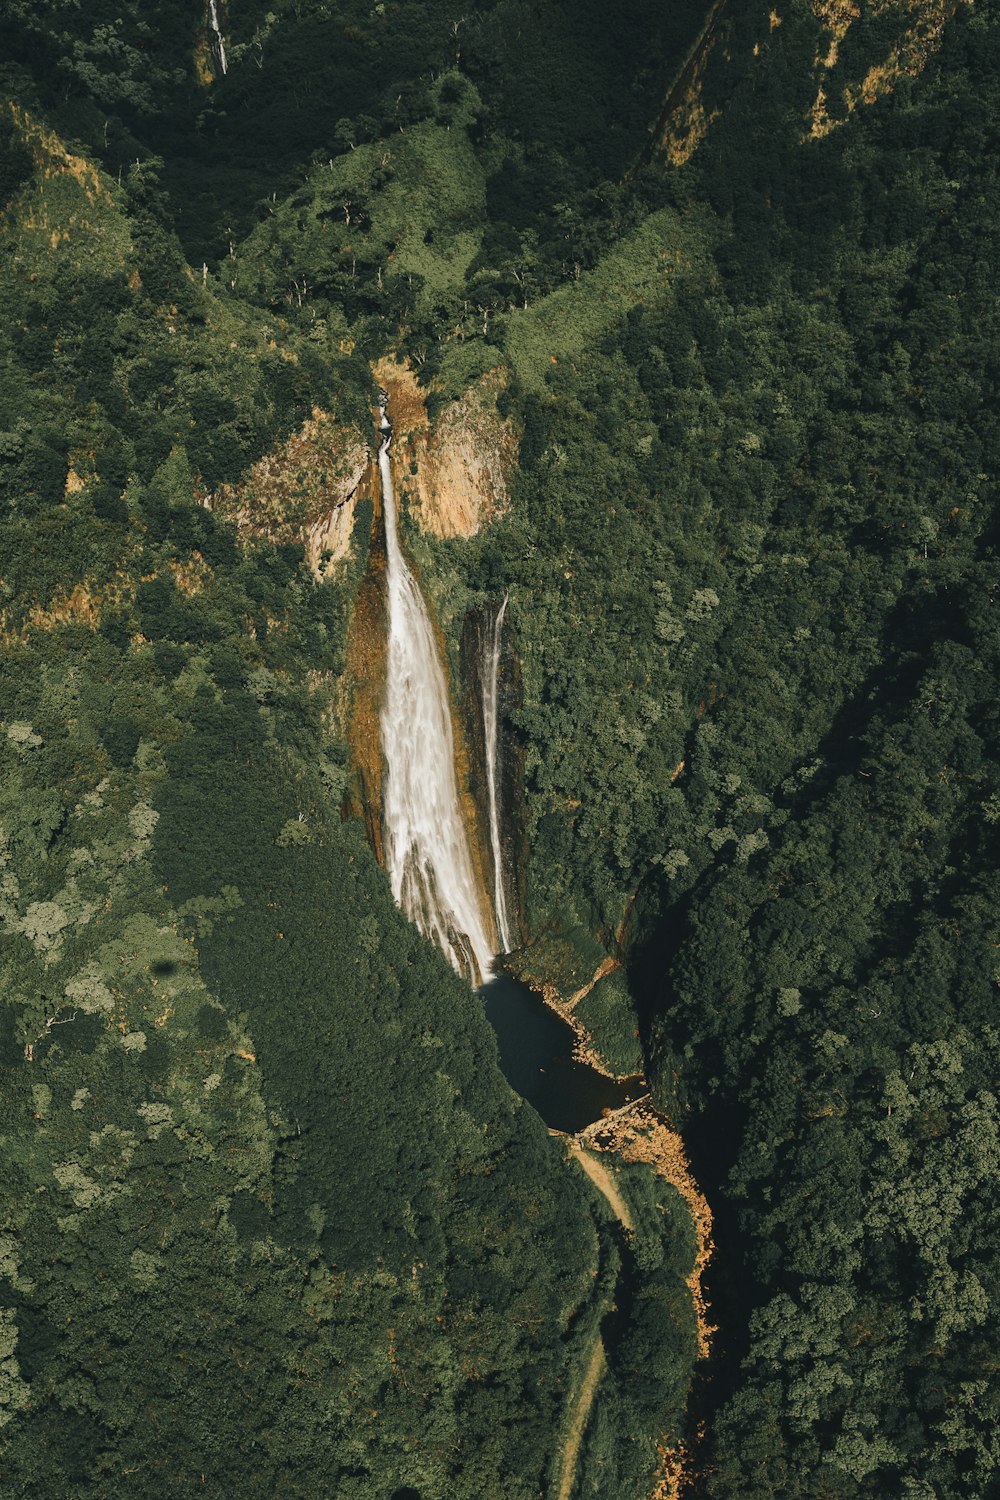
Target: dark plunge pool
(536, 1055)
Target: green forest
(272, 1221)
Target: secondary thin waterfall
(426, 845)
(491, 679)
(216, 30)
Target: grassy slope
(574, 319)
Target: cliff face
(847, 68)
(306, 490)
(364, 680)
(454, 473)
(917, 37)
(684, 121)
(364, 698)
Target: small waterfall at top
(216, 30)
(491, 679)
(427, 850)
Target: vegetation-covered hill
(274, 1217)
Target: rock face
(684, 122)
(918, 31)
(367, 644)
(717, 61)
(453, 473)
(306, 490)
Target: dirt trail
(585, 1400)
(638, 1133)
(604, 1181)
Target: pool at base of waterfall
(536, 1055)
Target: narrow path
(603, 1179)
(585, 1400)
(605, 1183)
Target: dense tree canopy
(274, 1221)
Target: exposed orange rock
(204, 63)
(584, 1047)
(689, 125)
(52, 159)
(328, 538)
(638, 1132)
(675, 1473)
(191, 575)
(684, 122)
(923, 23)
(305, 490)
(453, 474)
(365, 688)
(80, 603)
(836, 15)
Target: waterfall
(426, 845)
(216, 30)
(491, 679)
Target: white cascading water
(426, 845)
(491, 680)
(216, 30)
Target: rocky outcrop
(53, 159)
(452, 473)
(684, 122)
(328, 538)
(717, 62)
(918, 37)
(640, 1133)
(306, 490)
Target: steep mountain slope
(726, 276)
(219, 1037)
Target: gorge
(427, 847)
(647, 659)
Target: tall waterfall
(491, 679)
(426, 845)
